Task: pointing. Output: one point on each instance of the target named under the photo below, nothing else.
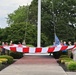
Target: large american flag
(25, 49)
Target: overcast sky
(7, 7)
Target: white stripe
(57, 48)
(14, 45)
(69, 47)
(19, 49)
(32, 50)
(7, 47)
(44, 50)
(24, 46)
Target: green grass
(29, 45)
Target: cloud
(7, 7)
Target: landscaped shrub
(0, 62)
(57, 54)
(16, 55)
(72, 66)
(64, 56)
(9, 58)
(64, 59)
(4, 60)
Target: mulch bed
(3, 66)
(63, 66)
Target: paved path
(34, 65)
(37, 59)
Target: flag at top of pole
(39, 25)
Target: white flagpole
(39, 25)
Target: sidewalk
(35, 65)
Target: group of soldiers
(2, 50)
(71, 52)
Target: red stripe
(26, 50)
(13, 49)
(63, 48)
(38, 50)
(1, 46)
(51, 49)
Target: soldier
(11, 42)
(3, 50)
(74, 52)
(7, 52)
(69, 51)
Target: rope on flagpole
(53, 16)
(24, 41)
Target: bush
(64, 59)
(0, 62)
(9, 58)
(64, 56)
(4, 60)
(57, 54)
(72, 66)
(16, 55)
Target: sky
(9, 6)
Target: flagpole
(39, 25)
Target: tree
(33, 11)
(20, 28)
(18, 16)
(58, 13)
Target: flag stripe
(38, 50)
(13, 49)
(64, 48)
(26, 50)
(51, 49)
(32, 50)
(44, 50)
